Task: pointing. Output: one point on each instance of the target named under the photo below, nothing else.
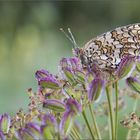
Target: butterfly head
(78, 52)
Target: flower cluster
(54, 109)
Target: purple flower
(42, 74)
(95, 88)
(2, 137)
(46, 80)
(49, 82)
(71, 69)
(19, 134)
(71, 64)
(66, 121)
(48, 119)
(76, 52)
(33, 130)
(23, 134)
(133, 83)
(5, 123)
(54, 104)
(72, 108)
(80, 77)
(126, 66)
(49, 127)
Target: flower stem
(71, 135)
(110, 111)
(77, 133)
(89, 128)
(74, 134)
(116, 109)
(58, 134)
(94, 123)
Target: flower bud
(49, 126)
(66, 123)
(54, 104)
(95, 88)
(69, 67)
(4, 123)
(126, 66)
(42, 74)
(80, 77)
(133, 83)
(2, 137)
(34, 130)
(72, 108)
(70, 76)
(72, 64)
(48, 119)
(49, 82)
(23, 134)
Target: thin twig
(94, 123)
(88, 125)
(116, 110)
(110, 112)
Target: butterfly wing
(108, 49)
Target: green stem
(89, 128)
(77, 133)
(58, 135)
(116, 110)
(110, 111)
(74, 134)
(94, 123)
(71, 135)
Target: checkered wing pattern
(108, 49)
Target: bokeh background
(30, 38)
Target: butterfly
(108, 49)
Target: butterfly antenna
(71, 38)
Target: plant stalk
(74, 134)
(88, 125)
(95, 123)
(77, 133)
(108, 93)
(116, 110)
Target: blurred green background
(30, 38)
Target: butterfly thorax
(79, 52)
